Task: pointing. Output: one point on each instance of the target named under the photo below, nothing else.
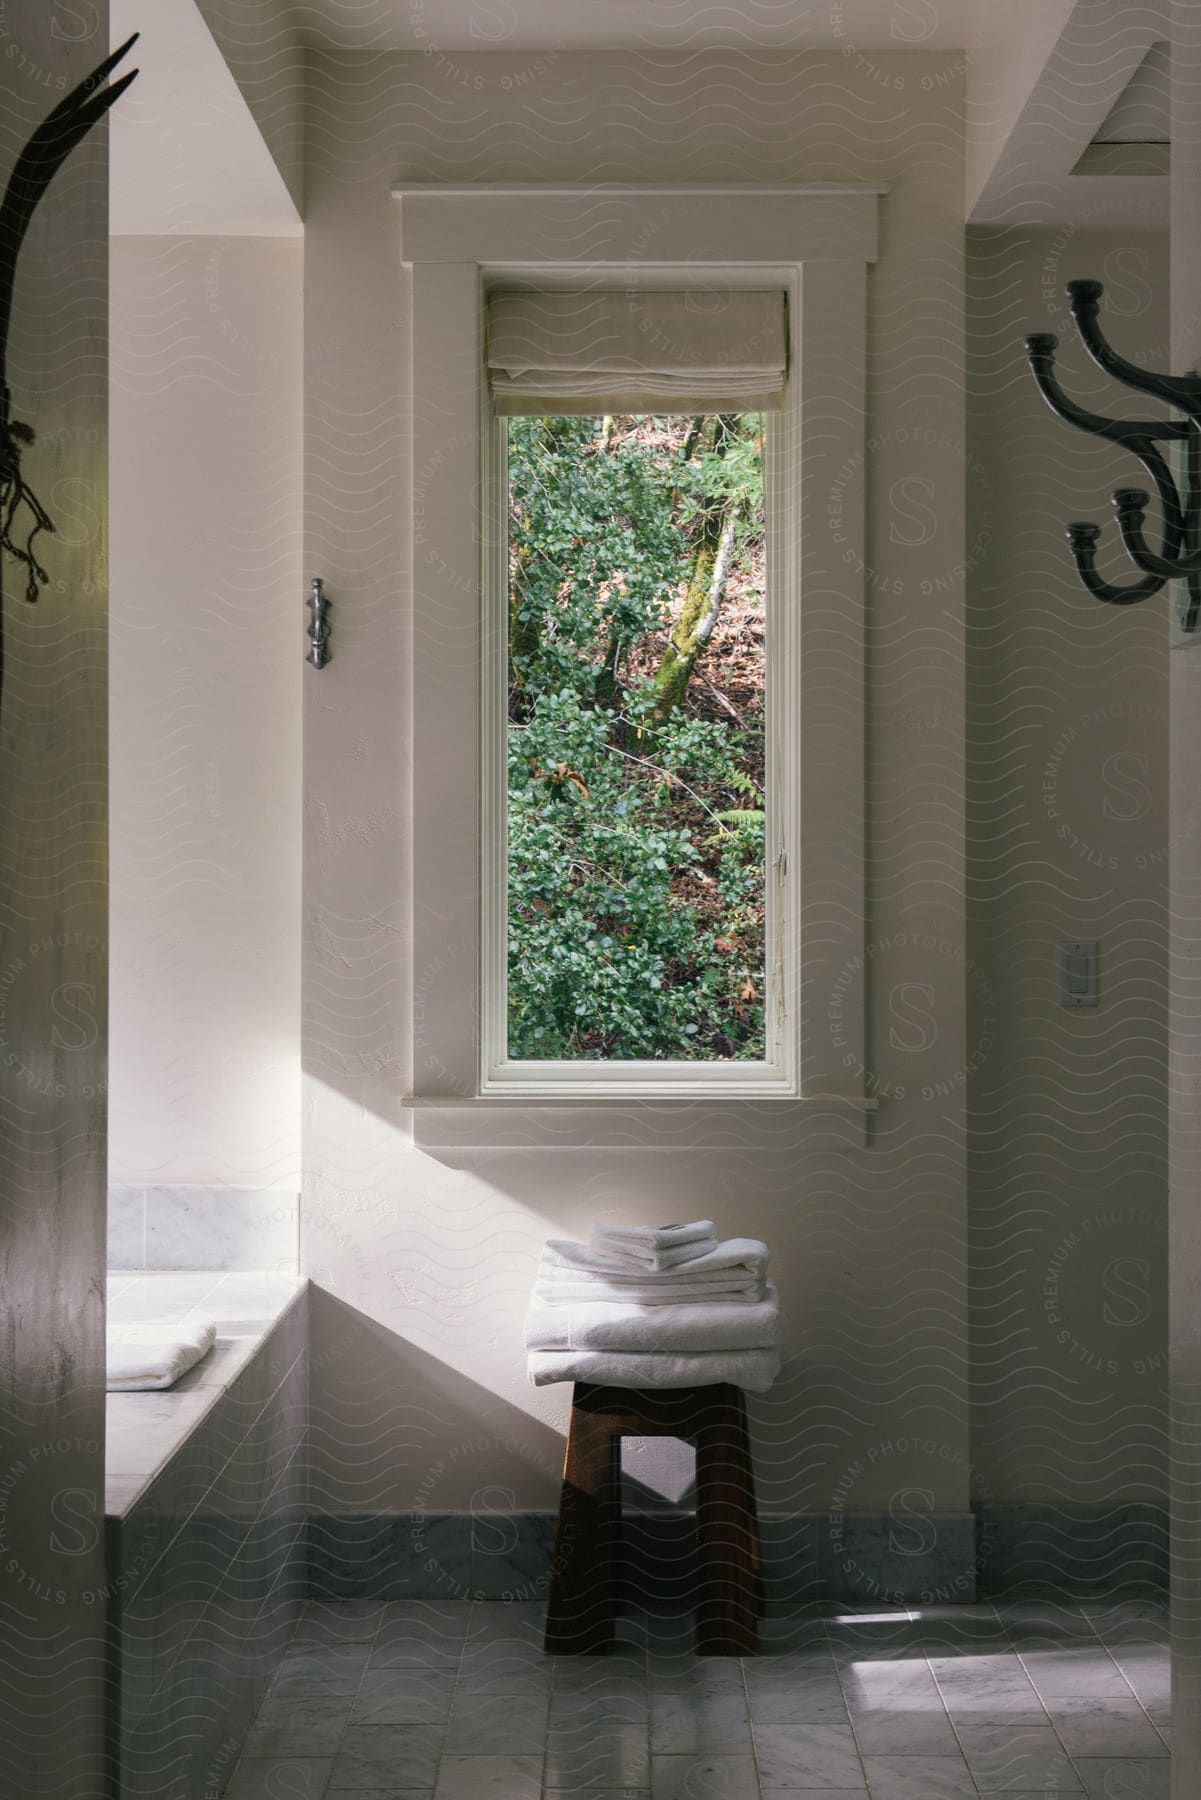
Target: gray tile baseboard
(456, 1556)
(195, 1227)
(1039, 1546)
(940, 1559)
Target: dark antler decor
(22, 515)
(1179, 557)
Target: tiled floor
(1033, 1700)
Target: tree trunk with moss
(524, 634)
(701, 609)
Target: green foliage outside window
(635, 739)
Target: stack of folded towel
(655, 1306)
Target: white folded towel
(736, 1257)
(752, 1369)
(655, 1246)
(616, 1325)
(715, 1293)
(154, 1353)
(736, 1270)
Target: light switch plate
(1078, 974)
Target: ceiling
(524, 25)
(185, 155)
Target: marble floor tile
(694, 1674)
(503, 1725)
(489, 1778)
(396, 1755)
(918, 1732)
(1106, 1777)
(594, 1754)
(550, 1793)
(337, 1622)
(1147, 1671)
(1021, 1756)
(600, 1679)
(631, 1708)
(403, 1697)
(704, 1778)
(507, 1621)
(301, 1778)
(716, 1721)
(824, 1754)
(495, 1669)
(859, 1793)
(328, 1670)
(303, 1726)
(1101, 1728)
(919, 1778)
(818, 1702)
(987, 1690)
(1077, 1673)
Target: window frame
(775, 1074)
(815, 241)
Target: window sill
(775, 1123)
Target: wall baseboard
(931, 1559)
(1031, 1546)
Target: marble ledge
(144, 1431)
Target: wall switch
(1077, 974)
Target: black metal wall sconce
(1179, 556)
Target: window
(630, 810)
(499, 268)
(636, 762)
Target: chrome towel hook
(318, 653)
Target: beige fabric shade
(612, 351)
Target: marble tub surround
(145, 1431)
(205, 1549)
(196, 1227)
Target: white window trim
(816, 241)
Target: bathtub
(205, 1516)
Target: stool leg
(730, 1578)
(581, 1613)
(756, 1540)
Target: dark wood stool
(581, 1615)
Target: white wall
(1069, 839)
(424, 1262)
(207, 664)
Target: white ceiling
(525, 25)
(185, 156)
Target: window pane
(636, 747)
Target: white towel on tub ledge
(751, 1369)
(616, 1325)
(154, 1353)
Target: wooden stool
(581, 1615)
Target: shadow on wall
(472, 1462)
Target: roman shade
(596, 351)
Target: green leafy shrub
(636, 890)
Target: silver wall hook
(318, 652)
